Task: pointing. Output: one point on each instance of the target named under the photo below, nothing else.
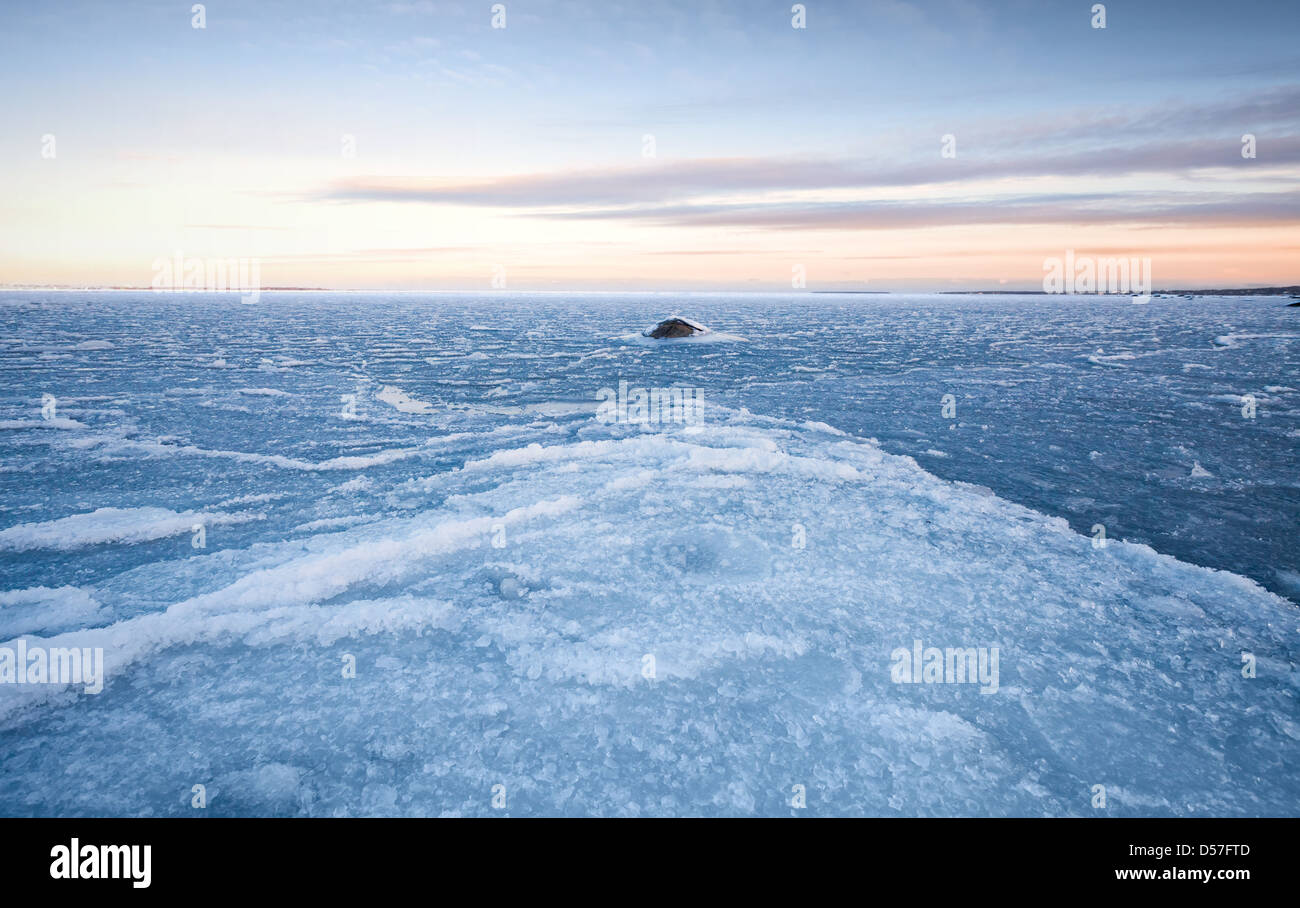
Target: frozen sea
(431, 582)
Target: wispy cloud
(678, 180)
(1165, 141)
(1201, 209)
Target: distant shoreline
(1231, 291)
(1293, 290)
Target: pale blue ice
(550, 614)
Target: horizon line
(1269, 290)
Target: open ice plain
(551, 614)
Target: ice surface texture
(607, 618)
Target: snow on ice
(514, 607)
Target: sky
(668, 145)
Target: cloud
(1201, 209)
(1274, 113)
(729, 191)
(1168, 138)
